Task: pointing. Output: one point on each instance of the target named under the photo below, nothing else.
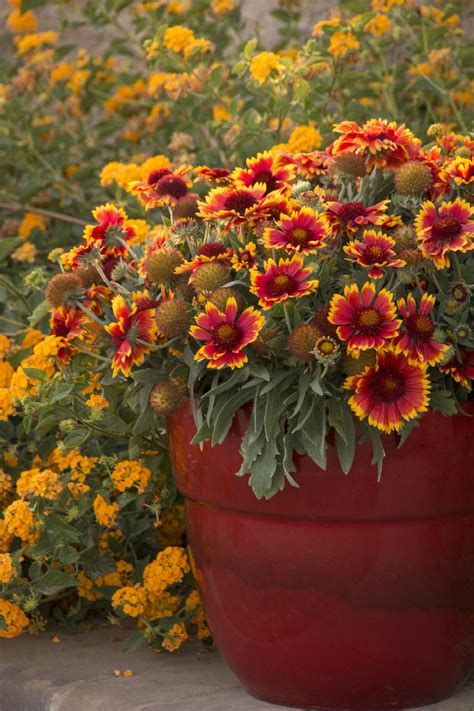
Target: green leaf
(35, 373)
(249, 49)
(59, 530)
(96, 564)
(134, 642)
(202, 434)
(225, 415)
(263, 469)
(378, 452)
(229, 383)
(76, 438)
(147, 376)
(301, 89)
(3, 624)
(444, 402)
(313, 435)
(39, 313)
(55, 581)
(7, 245)
(407, 429)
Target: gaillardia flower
(232, 203)
(383, 143)
(134, 329)
(208, 252)
(303, 231)
(113, 229)
(416, 340)
(375, 251)
(226, 334)
(443, 229)
(348, 217)
(390, 393)
(266, 169)
(286, 280)
(364, 320)
(461, 367)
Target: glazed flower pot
(346, 593)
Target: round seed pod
(219, 298)
(302, 339)
(172, 318)
(209, 277)
(62, 288)
(413, 178)
(160, 265)
(166, 398)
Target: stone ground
(77, 674)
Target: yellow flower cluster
(378, 25)
(32, 221)
(181, 40)
(89, 589)
(168, 568)
(124, 173)
(97, 402)
(341, 43)
(125, 94)
(193, 602)
(21, 22)
(33, 41)
(36, 482)
(5, 537)
(127, 475)
(131, 600)
(14, 619)
(171, 527)
(19, 521)
(223, 7)
(264, 65)
(6, 486)
(25, 253)
(6, 374)
(175, 637)
(7, 569)
(5, 345)
(105, 514)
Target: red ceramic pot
(345, 593)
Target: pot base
(339, 616)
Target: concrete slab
(77, 674)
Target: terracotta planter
(345, 593)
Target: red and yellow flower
(443, 229)
(67, 324)
(226, 334)
(208, 252)
(348, 217)
(459, 170)
(390, 393)
(131, 333)
(279, 282)
(384, 144)
(416, 340)
(163, 186)
(364, 319)
(233, 203)
(113, 230)
(302, 231)
(375, 252)
(266, 169)
(245, 258)
(461, 367)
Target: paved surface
(77, 674)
